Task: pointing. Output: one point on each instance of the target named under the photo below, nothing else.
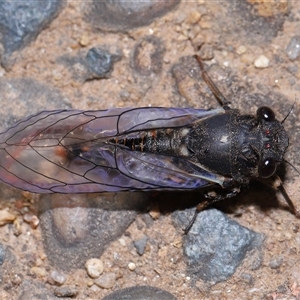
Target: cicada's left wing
(69, 152)
(111, 168)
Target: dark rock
(22, 21)
(215, 245)
(95, 64)
(140, 293)
(99, 62)
(140, 245)
(119, 15)
(2, 254)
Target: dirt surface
(231, 36)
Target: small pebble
(154, 213)
(205, 24)
(27, 195)
(280, 236)
(124, 95)
(293, 48)
(276, 263)
(194, 17)
(6, 217)
(90, 283)
(94, 267)
(140, 245)
(241, 50)
(206, 52)
(58, 277)
(122, 242)
(247, 58)
(31, 219)
(99, 62)
(226, 63)
(17, 228)
(43, 256)
(131, 266)
(84, 40)
(19, 204)
(261, 62)
(248, 278)
(288, 236)
(38, 262)
(106, 281)
(95, 289)
(66, 291)
(39, 271)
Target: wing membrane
(67, 151)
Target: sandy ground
(231, 35)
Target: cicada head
(274, 142)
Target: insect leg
(276, 184)
(288, 200)
(217, 93)
(201, 206)
(212, 197)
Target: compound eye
(265, 113)
(267, 167)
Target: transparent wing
(67, 151)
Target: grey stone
(78, 227)
(140, 293)
(119, 15)
(140, 245)
(22, 21)
(215, 245)
(293, 48)
(96, 63)
(2, 254)
(99, 62)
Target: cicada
(144, 149)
